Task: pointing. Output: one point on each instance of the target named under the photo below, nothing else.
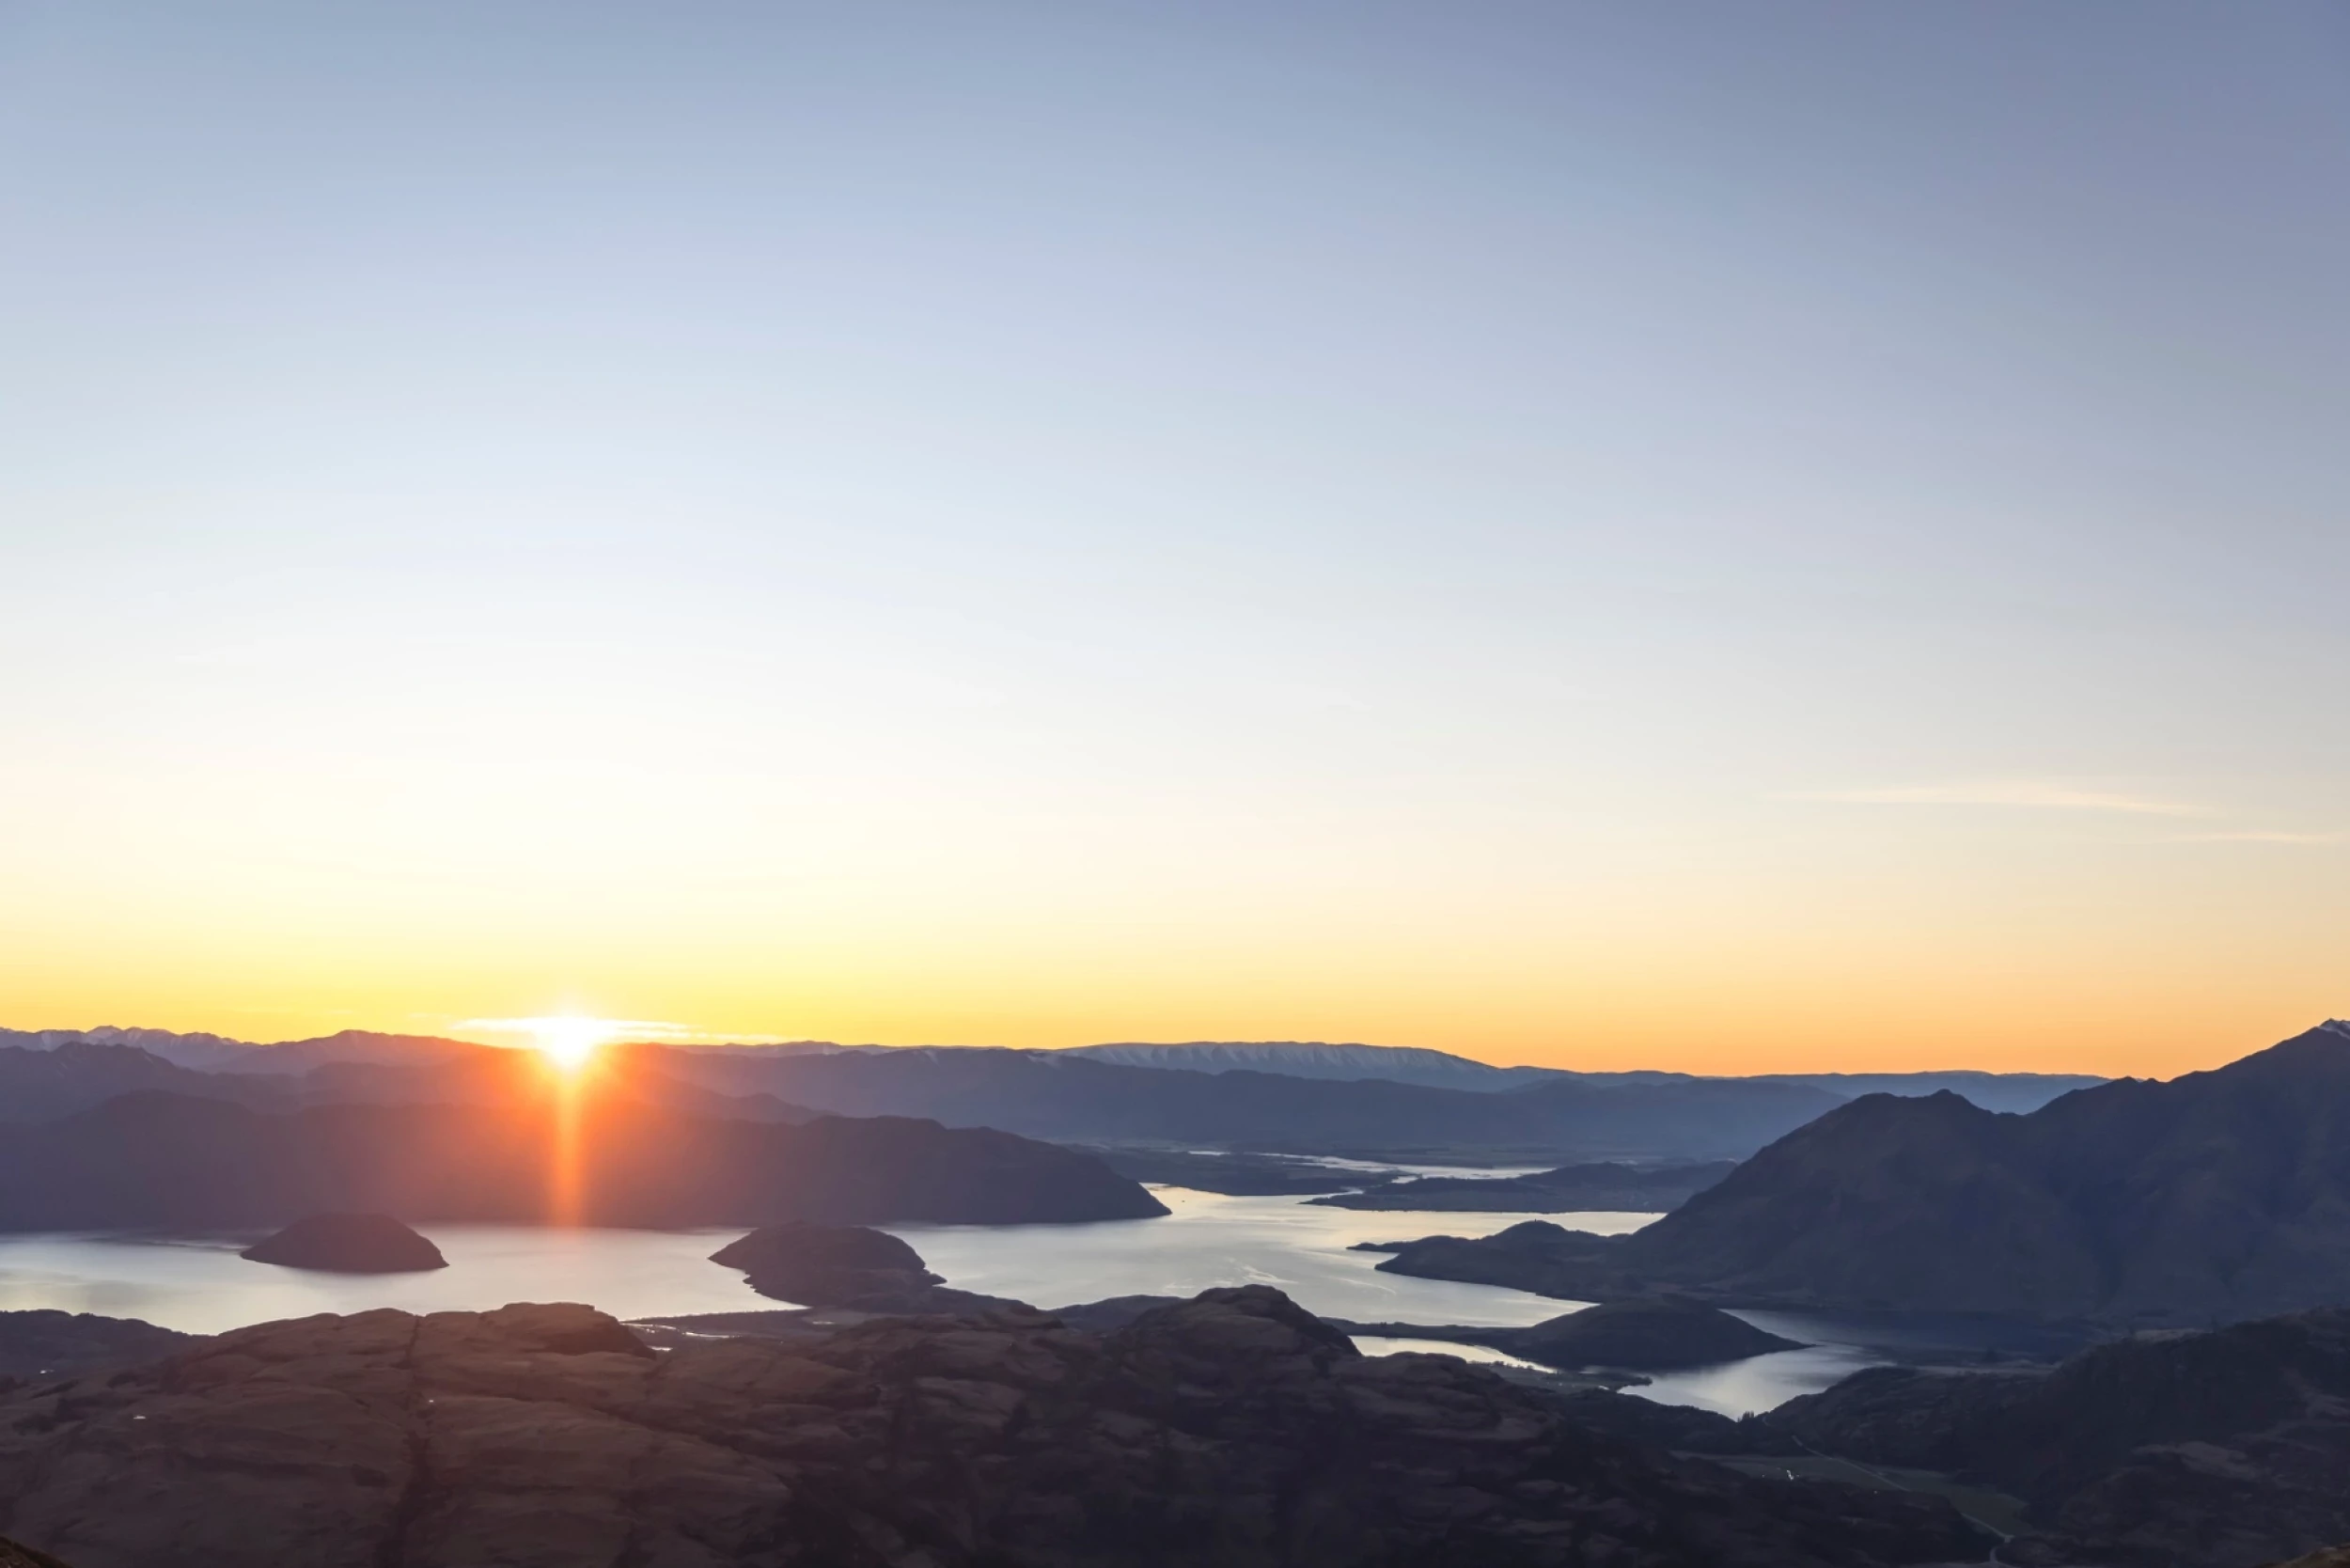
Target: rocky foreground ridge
(1232, 1430)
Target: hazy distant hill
(351, 1046)
(2215, 1197)
(212, 1053)
(45, 1084)
(1408, 1064)
(2020, 1092)
(201, 1053)
(1042, 1094)
(1401, 1064)
(2003, 1091)
(1065, 1095)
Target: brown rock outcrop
(1232, 1430)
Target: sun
(569, 1043)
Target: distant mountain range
(1039, 1094)
(1401, 1064)
(1072, 1098)
(1380, 1101)
(2215, 1197)
(2000, 1091)
(212, 1053)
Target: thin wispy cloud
(2262, 835)
(2027, 793)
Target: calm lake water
(201, 1286)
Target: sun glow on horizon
(569, 1044)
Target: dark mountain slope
(1887, 1203)
(170, 1162)
(350, 1045)
(2218, 1196)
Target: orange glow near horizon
(569, 1043)
(568, 1046)
(567, 1154)
(1732, 988)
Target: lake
(199, 1284)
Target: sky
(1712, 536)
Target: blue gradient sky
(1729, 536)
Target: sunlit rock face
(1232, 1430)
(348, 1243)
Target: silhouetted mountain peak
(2318, 1055)
(2212, 1197)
